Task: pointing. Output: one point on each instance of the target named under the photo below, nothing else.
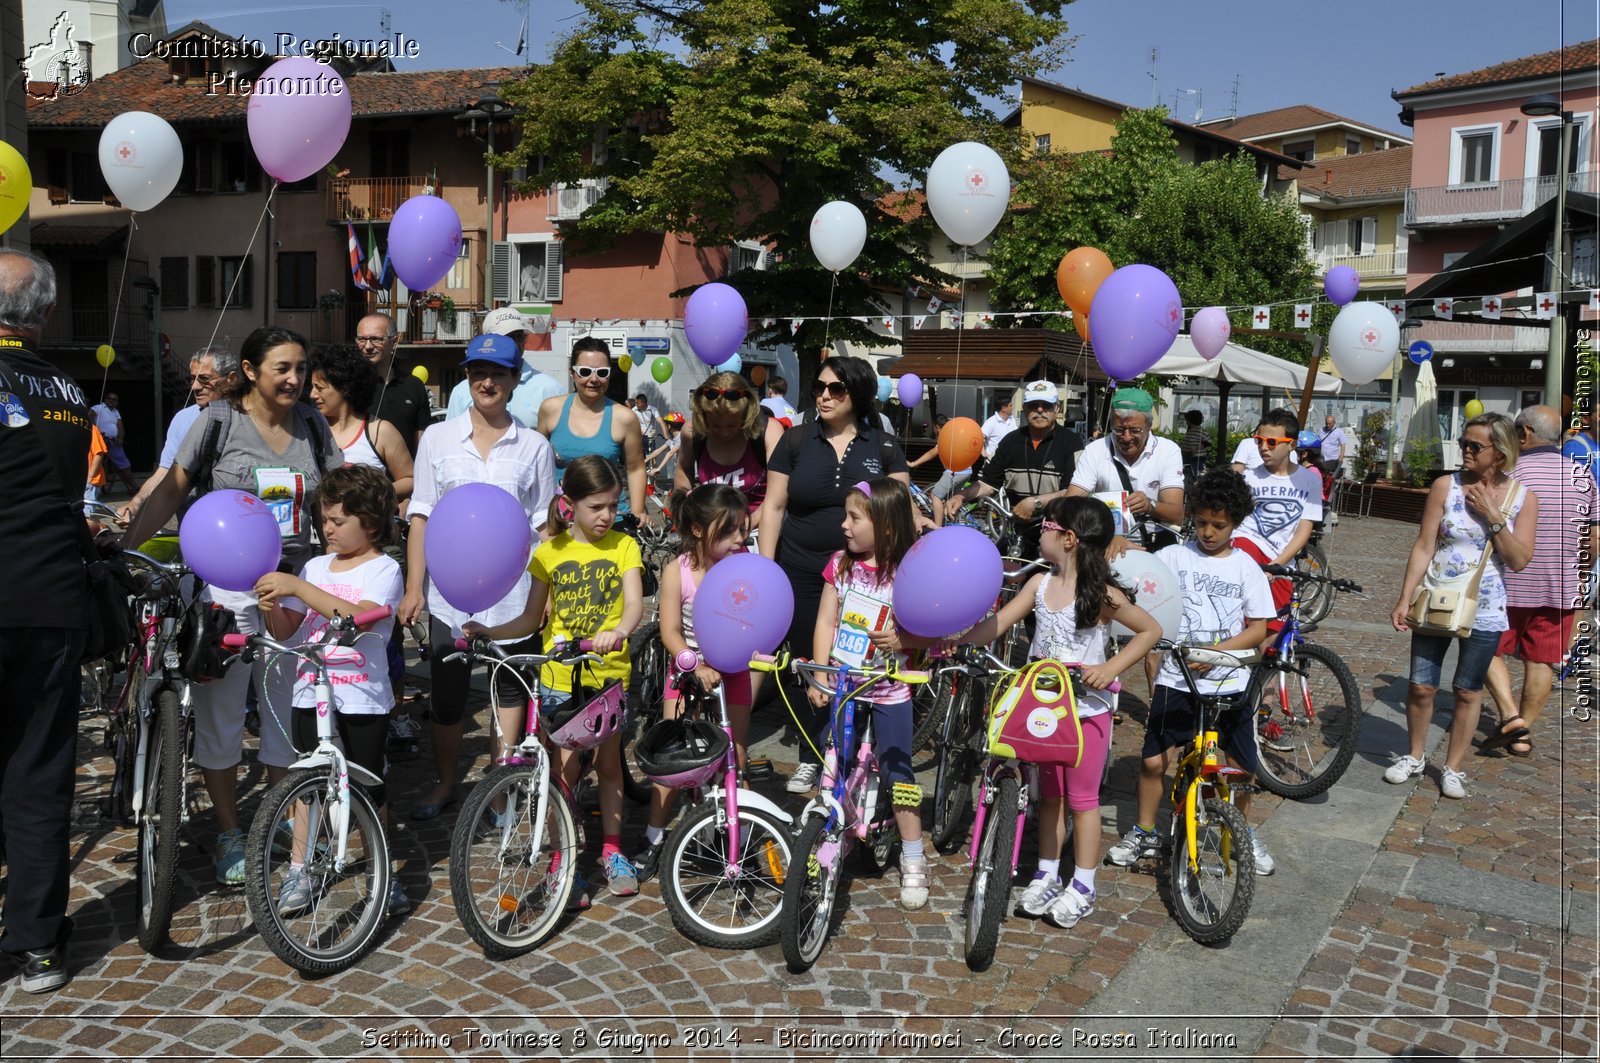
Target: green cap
(1132, 400)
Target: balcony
(371, 198)
(1452, 336)
(419, 325)
(1377, 264)
(568, 202)
(1489, 203)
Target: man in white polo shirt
(1144, 469)
(533, 387)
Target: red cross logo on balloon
(977, 181)
(1370, 336)
(126, 152)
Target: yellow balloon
(1473, 408)
(105, 354)
(625, 363)
(421, 373)
(16, 184)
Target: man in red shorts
(1543, 599)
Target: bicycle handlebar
(977, 654)
(339, 624)
(562, 652)
(1299, 576)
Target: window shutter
(500, 267)
(205, 280)
(1369, 235)
(205, 167)
(1402, 235)
(552, 271)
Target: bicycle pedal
(758, 768)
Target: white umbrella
(1239, 365)
(1423, 430)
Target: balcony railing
(371, 198)
(81, 325)
(1488, 203)
(1450, 336)
(419, 325)
(1377, 264)
(568, 202)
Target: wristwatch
(1495, 529)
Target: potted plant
(1422, 461)
(433, 300)
(1369, 444)
(447, 311)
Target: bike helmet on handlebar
(1308, 440)
(681, 753)
(584, 721)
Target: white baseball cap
(1040, 391)
(505, 321)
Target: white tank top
(1056, 634)
(360, 451)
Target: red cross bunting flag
(1491, 308)
(1302, 315)
(888, 325)
(934, 304)
(986, 321)
(1397, 307)
(1594, 298)
(917, 321)
(1544, 305)
(794, 325)
(1262, 317)
(1444, 309)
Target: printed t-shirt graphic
(1282, 502)
(585, 581)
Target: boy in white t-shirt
(1226, 605)
(1288, 500)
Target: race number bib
(1117, 502)
(284, 492)
(861, 613)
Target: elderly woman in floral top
(1476, 509)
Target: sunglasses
(1272, 441)
(731, 394)
(834, 388)
(1039, 407)
(1472, 446)
(584, 372)
(205, 380)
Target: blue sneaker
(622, 879)
(578, 899)
(294, 896)
(230, 857)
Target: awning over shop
(58, 234)
(998, 354)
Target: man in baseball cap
(1033, 464)
(533, 387)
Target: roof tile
(1363, 176)
(1282, 120)
(1584, 56)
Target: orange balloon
(960, 443)
(1079, 276)
(1080, 321)
(758, 375)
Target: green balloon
(661, 369)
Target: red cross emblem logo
(4, 177)
(1261, 317)
(1491, 305)
(1442, 306)
(1370, 336)
(1173, 314)
(125, 152)
(977, 181)
(1302, 315)
(739, 596)
(1546, 304)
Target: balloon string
(961, 322)
(116, 311)
(227, 300)
(827, 326)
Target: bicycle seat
(1226, 658)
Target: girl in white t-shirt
(1071, 607)
(357, 509)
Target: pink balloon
(424, 241)
(230, 539)
(1209, 331)
(477, 545)
(715, 321)
(1133, 320)
(298, 117)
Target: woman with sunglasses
(1480, 508)
(586, 422)
(809, 476)
(728, 441)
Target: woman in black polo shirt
(808, 475)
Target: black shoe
(45, 970)
(649, 862)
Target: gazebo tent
(1237, 365)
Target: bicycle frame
(995, 769)
(158, 628)
(1202, 771)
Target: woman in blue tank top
(582, 422)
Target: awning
(59, 234)
(1240, 365)
(1017, 354)
(1511, 259)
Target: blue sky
(1345, 57)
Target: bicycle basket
(584, 721)
(201, 657)
(681, 753)
(1034, 717)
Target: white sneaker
(913, 883)
(804, 779)
(1404, 767)
(1453, 784)
(1335, 521)
(1135, 844)
(1265, 864)
(1070, 906)
(1040, 894)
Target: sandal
(1503, 738)
(1525, 751)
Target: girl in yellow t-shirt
(589, 573)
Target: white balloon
(141, 159)
(1156, 590)
(968, 191)
(1363, 341)
(838, 233)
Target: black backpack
(219, 420)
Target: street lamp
(1544, 106)
(152, 292)
(490, 107)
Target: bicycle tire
(989, 889)
(707, 905)
(1306, 741)
(808, 895)
(1316, 599)
(122, 742)
(348, 906)
(929, 702)
(1222, 839)
(953, 779)
(509, 897)
(644, 706)
(160, 820)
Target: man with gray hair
(1542, 600)
(213, 374)
(45, 427)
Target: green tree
(737, 119)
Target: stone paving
(1402, 971)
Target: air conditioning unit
(457, 330)
(568, 202)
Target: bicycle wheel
(122, 742)
(1306, 722)
(1211, 903)
(644, 706)
(883, 833)
(713, 902)
(989, 890)
(952, 783)
(336, 919)
(929, 702)
(808, 894)
(510, 888)
(160, 818)
(1316, 599)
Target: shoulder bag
(1448, 607)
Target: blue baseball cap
(493, 347)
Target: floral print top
(1463, 536)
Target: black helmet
(681, 753)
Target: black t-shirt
(42, 582)
(818, 483)
(405, 405)
(1024, 469)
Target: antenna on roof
(383, 23)
(1155, 54)
(1233, 105)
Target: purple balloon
(298, 117)
(1209, 331)
(230, 539)
(743, 607)
(947, 582)
(424, 241)
(715, 321)
(910, 390)
(477, 545)
(1342, 283)
(1135, 316)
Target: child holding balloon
(590, 576)
(1071, 607)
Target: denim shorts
(1477, 650)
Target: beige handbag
(1448, 608)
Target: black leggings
(451, 679)
(364, 738)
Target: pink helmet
(577, 724)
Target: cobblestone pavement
(1431, 954)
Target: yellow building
(1307, 133)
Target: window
(1450, 258)
(86, 183)
(528, 270)
(1304, 150)
(460, 275)
(746, 255)
(205, 280)
(238, 171)
(1550, 150)
(1362, 235)
(233, 282)
(1041, 144)
(297, 280)
(174, 283)
(1473, 151)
